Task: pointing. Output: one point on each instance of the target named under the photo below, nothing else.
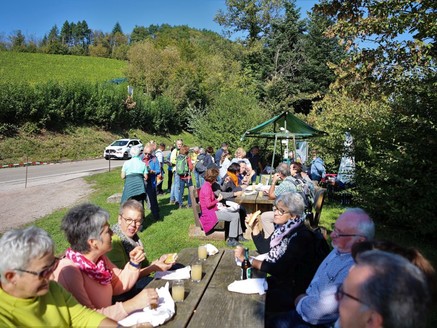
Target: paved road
(15, 178)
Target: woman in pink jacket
(210, 213)
(89, 275)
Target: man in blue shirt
(318, 307)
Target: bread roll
(171, 258)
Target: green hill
(36, 67)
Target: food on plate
(251, 218)
(171, 258)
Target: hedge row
(55, 106)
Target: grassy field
(37, 68)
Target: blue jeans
(182, 184)
(174, 192)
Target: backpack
(304, 190)
(182, 165)
(200, 167)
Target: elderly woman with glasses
(89, 275)
(291, 258)
(126, 238)
(28, 297)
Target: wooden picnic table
(209, 303)
(255, 202)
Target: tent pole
(273, 159)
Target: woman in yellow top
(28, 297)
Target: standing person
(87, 273)
(383, 290)
(218, 153)
(153, 169)
(28, 297)
(134, 172)
(199, 167)
(125, 239)
(159, 153)
(176, 179)
(184, 167)
(318, 305)
(317, 169)
(255, 161)
(210, 213)
(169, 172)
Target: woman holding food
(126, 239)
(210, 213)
(28, 297)
(291, 255)
(89, 275)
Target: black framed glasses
(130, 221)
(340, 294)
(281, 212)
(46, 273)
(339, 234)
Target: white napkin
(233, 205)
(211, 249)
(183, 273)
(156, 317)
(249, 286)
(261, 187)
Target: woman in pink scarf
(89, 275)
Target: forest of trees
(366, 67)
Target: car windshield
(119, 143)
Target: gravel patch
(20, 206)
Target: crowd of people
(102, 277)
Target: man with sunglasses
(318, 306)
(383, 290)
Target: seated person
(89, 275)
(318, 307)
(292, 259)
(125, 239)
(210, 213)
(28, 297)
(231, 183)
(383, 290)
(246, 173)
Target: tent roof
(293, 127)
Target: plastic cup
(202, 253)
(196, 271)
(178, 290)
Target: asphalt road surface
(25, 177)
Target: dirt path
(23, 205)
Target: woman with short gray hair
(28, 297)
(87, 272)
(134, 172)
(291, 257)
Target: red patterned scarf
(97, 271)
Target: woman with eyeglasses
(125, 239)
(89, 275)
(291, 258)
(28, 297)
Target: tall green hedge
(56, 106)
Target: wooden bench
(196, 231)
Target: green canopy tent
(284, 126)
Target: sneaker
(241, 239)
(177, 204)
(232, 242)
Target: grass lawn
(171, 233)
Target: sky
(35, 18)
